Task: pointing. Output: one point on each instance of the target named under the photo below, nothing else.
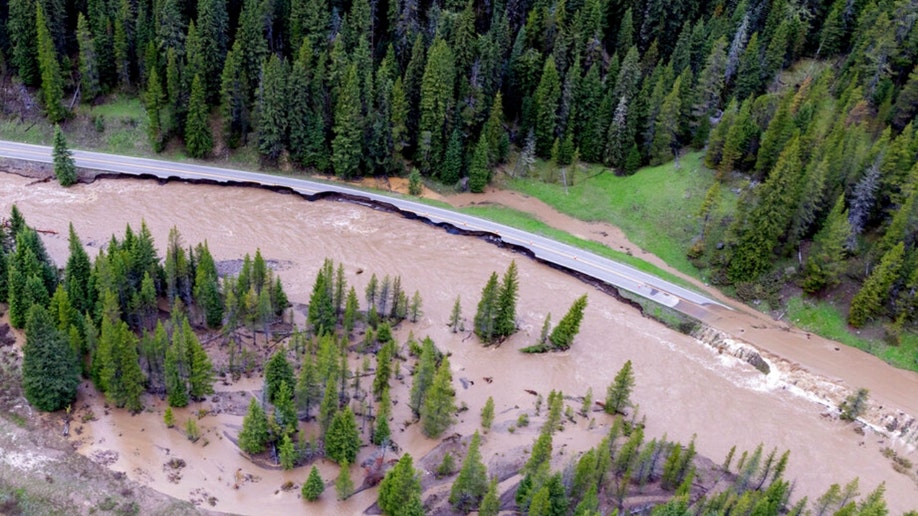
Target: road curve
(556, 254)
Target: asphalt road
(545, 249)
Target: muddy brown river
(683, 386)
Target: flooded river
(683, 387)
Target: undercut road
(544, 249)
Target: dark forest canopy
(826, 152)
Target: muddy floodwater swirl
(683, 387)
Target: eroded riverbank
(684, 388)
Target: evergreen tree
(487, 414)
(207, 287)
(437, 412)
(168, 417)
(155, 100)
(381, 431)
(618, 395)
(342, 441)
(52, 83)
(77, 275)
(490, 504)
(234, 106)
(487, 310)
(314, 486)
(455, 317)
(286, 452)
(321, 304)
(277, 370)
(64, 167)
(505, 318)
(50, 374)
(546, 98)
(667, 125)
(254, 435)
(451, 169)
(472, 482)
(436, 102)
(89, 67)
(423, 376)
(868, 301)
(825, 263)
(749, 75)
(479, 168)
(307, 385)
(212, 27)
(273, 102)
(400, 490)
(348, 129)
(563, 335)
(21, 30)
(344, 486)
(198, 139)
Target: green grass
(656, 207)
(528, 222)
(827, 320)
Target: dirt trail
(684, 387)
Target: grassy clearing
(656, 208)
(828, 321)
(527, 222)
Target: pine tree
(400, 490)
(347, 143)
(437, 412)
(168, 417)
(546, 98)
(563, 335)
(198, 139)
(436, 102)
(212, 25)
(307, 385)
(749, 75)
(344, 486)
(868, 302)
(64, 167)
(273, 101)
(381, 431)
(618, 395)
(423, 376)
(479, 168)
(455, 317)
(505, 318)
(451, 168)
(254, 435)
(342, 441)
(287, 453)
(52, 83)
(234, 106)
(21, 28)
(487, 310)
(89, 69)
(472, 482)
(50, 374)
(490, 504)
(277, 370)
(825, 263)
(207, 287)
(314, 486)
(155, 100)
(487, 414)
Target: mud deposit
(684, 387)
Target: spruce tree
(89, 68)
(314, 486)
(825, 263)
(254, 435)
(400, 490)
(52, 83)
(505, 318)
(198, 139)
(344, 486)
(213, 28)
(437, 412)
(286, 452)
(50, 374)
(472, 482)
(234, 106)
(455, 317)
(436, 104)
(479, 168)
(487, 311)
(381, 431)
(618, 395)
(273, 101)
(155, 100)
(348, 129)
(342, 441)
(277, 370)
(451, 169)
(77, 275)
(307, 385)
(64, 167)
(868, 302)
(423, 376)
(546, 98)
(21, 28)
(563, 335)
(487, 414)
